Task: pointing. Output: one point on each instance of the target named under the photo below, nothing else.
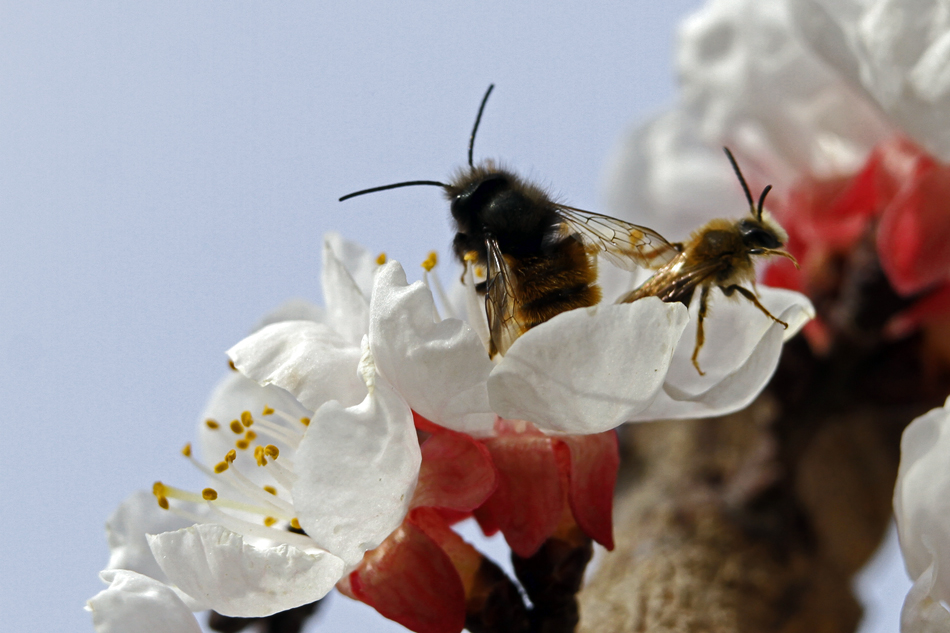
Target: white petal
(922, 498)
(740, 355)
(439, 368)
(293, 310)
(233, 395)
(357, 470)
(347, 307)
(308, 359)
(134, 603)
(588, 370)
(218, 568)
(136, 516)
(921, 613)
(355, 259)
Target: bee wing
(678, 285)
(623, 244)
(500, 301)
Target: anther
(236, 427)
(231, 365)
(212, 424)
(242, 444)
(158, 489)
(381, 259)
(272, 451)
(267, 410)
(163, 503)
(186, 450)
(259, 456)
(305, 421)
(431, 261)
(231, 456)
(269, 521)
(220, 467)
(294, 523)
(246, 418)
(271, 490)
(209, 494)
(250, 436)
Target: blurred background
(167, 172)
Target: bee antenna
(745, 187)
(765, 192)
(397, 185)
(478, 119)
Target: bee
(719, 255)
(539, 254)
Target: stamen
(381, 259)
(236, 427)
(250, 436)
(231, 365)
(259, 456)
(283, 476)
(251, 529)
(272, 451)
(248, 488)
(269, 521)
(186, 450)
(305, 421)
(212, 424)
(242, 444)
(267, 410)
(294, 523)
(209, 494)
(220, 467)
(246, 419)
(430, 261)
(278, 432)
(271, 490)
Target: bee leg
(700, 333)
(751, 297)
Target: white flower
(921, 507)
(134, 603)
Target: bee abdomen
(555, 283)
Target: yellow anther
(305, 421)
(259, 456)
(186, 450)
(163, 503)
(471, 256)
(242, 444)
(231, 365)
(381, 259)
(271, 490)
(246, 418)
(269, 521)
(272, 451)
(220, 467)
(431, 261)
(231, 456)
(212, 424)
(295, 524)
(267, 410)
(158, 489)
(250, 436)
(236, 427)
(209, 494)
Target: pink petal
(592, 461)
(456, 473)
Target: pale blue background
(166, 173)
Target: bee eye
(755, 235)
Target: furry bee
(540, 255)
(719, 254)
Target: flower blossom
(921, 507)
(347, 491)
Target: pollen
(269, 521)
(272, 451)
(186, 450)
(305, 421)
(267, 410)
(295, 524)
(246, 418)
(471, 256)
(242, 444)
(209, 494)
(212, 424)
(231, 365)
(431, 261)
(270, 490)
(236, 427)
(381, 259)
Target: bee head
(759, 234)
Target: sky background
(167, 171)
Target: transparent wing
(500, 301)
(670, 285)
(623, 244)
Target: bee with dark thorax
(540, 255)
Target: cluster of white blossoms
(310, 447)
(803, 89)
